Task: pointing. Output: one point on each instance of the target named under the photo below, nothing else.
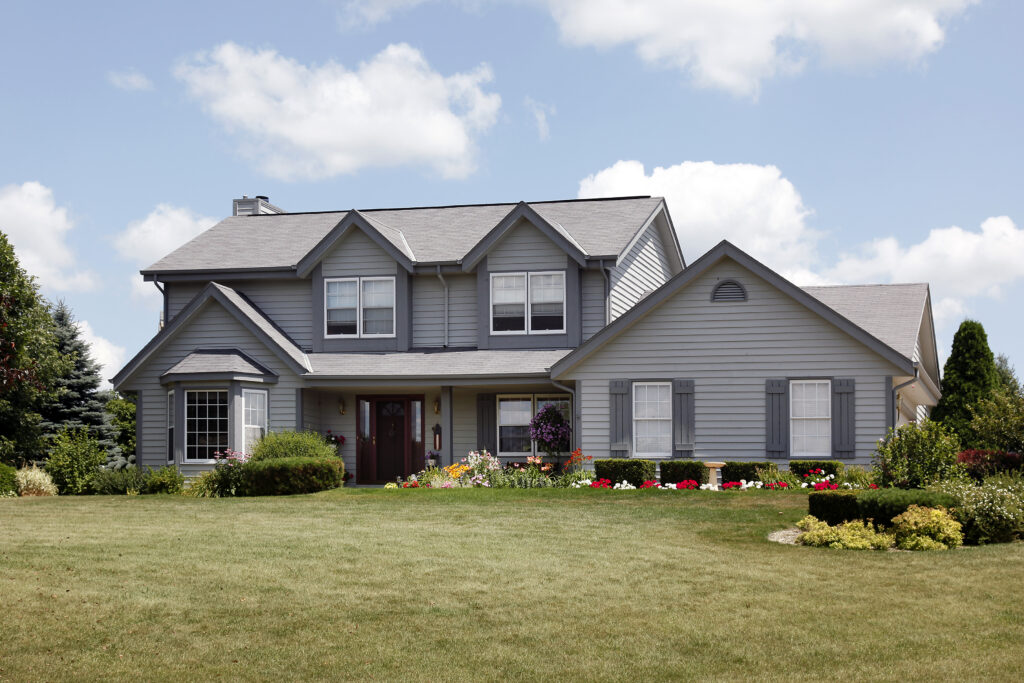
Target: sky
(848, 142)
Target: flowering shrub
(391, 485)
(992, 512)
(226, 475)
(577, 461)
(599, 484)
(776, 486)
(336, 439)
(688, 484)
(414, 484)
(624, 486)
(456, 470)
(741, 485)
(33, 481)
(550, 430)
(649, 484)
(481, 463)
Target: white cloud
(129, 79)
(540, 113)
(310, 122)
(754, 207)
(38, 229)
(370, 12)
(109, 355)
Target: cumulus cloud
(38, 229)
(146, 241)
(109, 355)
(753, 206)
(319, 121)
(129, 79)
(540, 113)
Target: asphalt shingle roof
(602, 227)
(890, 313)
(260, 319)
(471, 363)
(217, 361)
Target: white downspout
(895, 397)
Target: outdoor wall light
(437, 406)
(341, 406)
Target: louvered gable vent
(729, 290)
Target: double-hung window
(254, 412)
(170, 426)
(359, 307)
(652, 419)
(514, 415)
(810, 418)
(528, 303)
(206, 424)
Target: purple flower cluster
(550, 429)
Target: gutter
(444, 284)
(895, 389)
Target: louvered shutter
(776, 412)
(682, 418)
(620, 414)
(844, 419)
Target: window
(170, 426)
(810, 417)
(206, 424)
(652, 419)
(528, 303)
(254, 412)
(514, 415)
(359, 307)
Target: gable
(524, 247)
(356, 254)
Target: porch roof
(435, 364)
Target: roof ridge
(870, 284)
(455, 206)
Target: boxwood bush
(882, 505)
(737, 471)
(287, 476)
(802, 467)
(293, 445)
(833, 507)
(632, 470)
(8, 484)
(674, 471)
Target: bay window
(206, 424)
(254, 415)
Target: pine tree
(121, 414)
(29, 361)
(78, 403)
(968, 377)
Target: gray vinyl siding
(462, 310)
(730, 349)
(526, 248)
(594, 304)
(428, 311)
(212, 327)
(643, 269)
(179, 294)
(357, 254)
(311, 410)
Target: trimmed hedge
(289, 444)
(8, 483)
(834, 507)
(802, 467)
(882, 505)
(634, 471)
(736, 471)
(287, 476)
(674, 471)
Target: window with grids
(652, 419)
(254, 414)
(170, 426)
(359, 307)
(810, 418)
(206, 424)
(528, 303)
(514, 415)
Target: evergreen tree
(78, 403)
(121, 414)
(29, 361)
(968, 377)
(1008, 379)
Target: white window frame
(636, 452)
(359, 307)
(245, 416)
(809, 455)
(527, 303)
(535, 401)
(184, 453)
(170, 426)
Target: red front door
(390, 439)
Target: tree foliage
(916, 455)
(1008, 379)
(121, 413)
(968, 377)
(997, 422)
(29, 359)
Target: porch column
(447, 427)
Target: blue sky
(847, 142)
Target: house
(446, 328)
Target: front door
(391, 441)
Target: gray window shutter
(486, 423)
(844, 419)
(682, 418)
(776, 413)
(620, 418)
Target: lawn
(485, 585)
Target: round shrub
(675, 471)
(75, 457)
(917, 455)
(293, 445)
(921, 528)
(287, 476)
(633, 470)
(33, 481)
(990, 513)
(8, 483)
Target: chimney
(253, 206)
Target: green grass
(485, 585)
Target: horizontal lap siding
(593, 303)
(642, 270)
(211, 328)
(729, 349)
(462, 310)
(357, 254)
(463, 422)
(427, 311)
(179, 294)
(525, 247)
